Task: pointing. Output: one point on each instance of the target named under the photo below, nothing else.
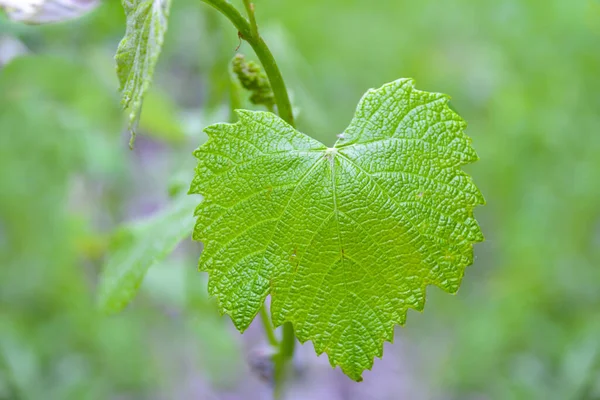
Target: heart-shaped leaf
(344, 239)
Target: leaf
(136, 248)
(138, 52)
(344, 239)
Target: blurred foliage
(137, 247)
(524, 74)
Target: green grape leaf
(137, 247)
(138, 52)
(344, 239)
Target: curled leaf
(138, 52)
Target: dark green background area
(523, 74)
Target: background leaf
(138, 247)
(139, 50)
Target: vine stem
(250, 11)
(268, 327)
(282, 99)
(248, 31)
(283, 358)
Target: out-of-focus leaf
(138, 52)
(139, 246)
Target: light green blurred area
(523, 73)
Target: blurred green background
(523, 73)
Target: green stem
(268, 327)
(288, 342)
(282, 359)
(250, 11)
(284, 106)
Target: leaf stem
(288, 341)
(286, 352)
(268, 327)
(284, 106)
